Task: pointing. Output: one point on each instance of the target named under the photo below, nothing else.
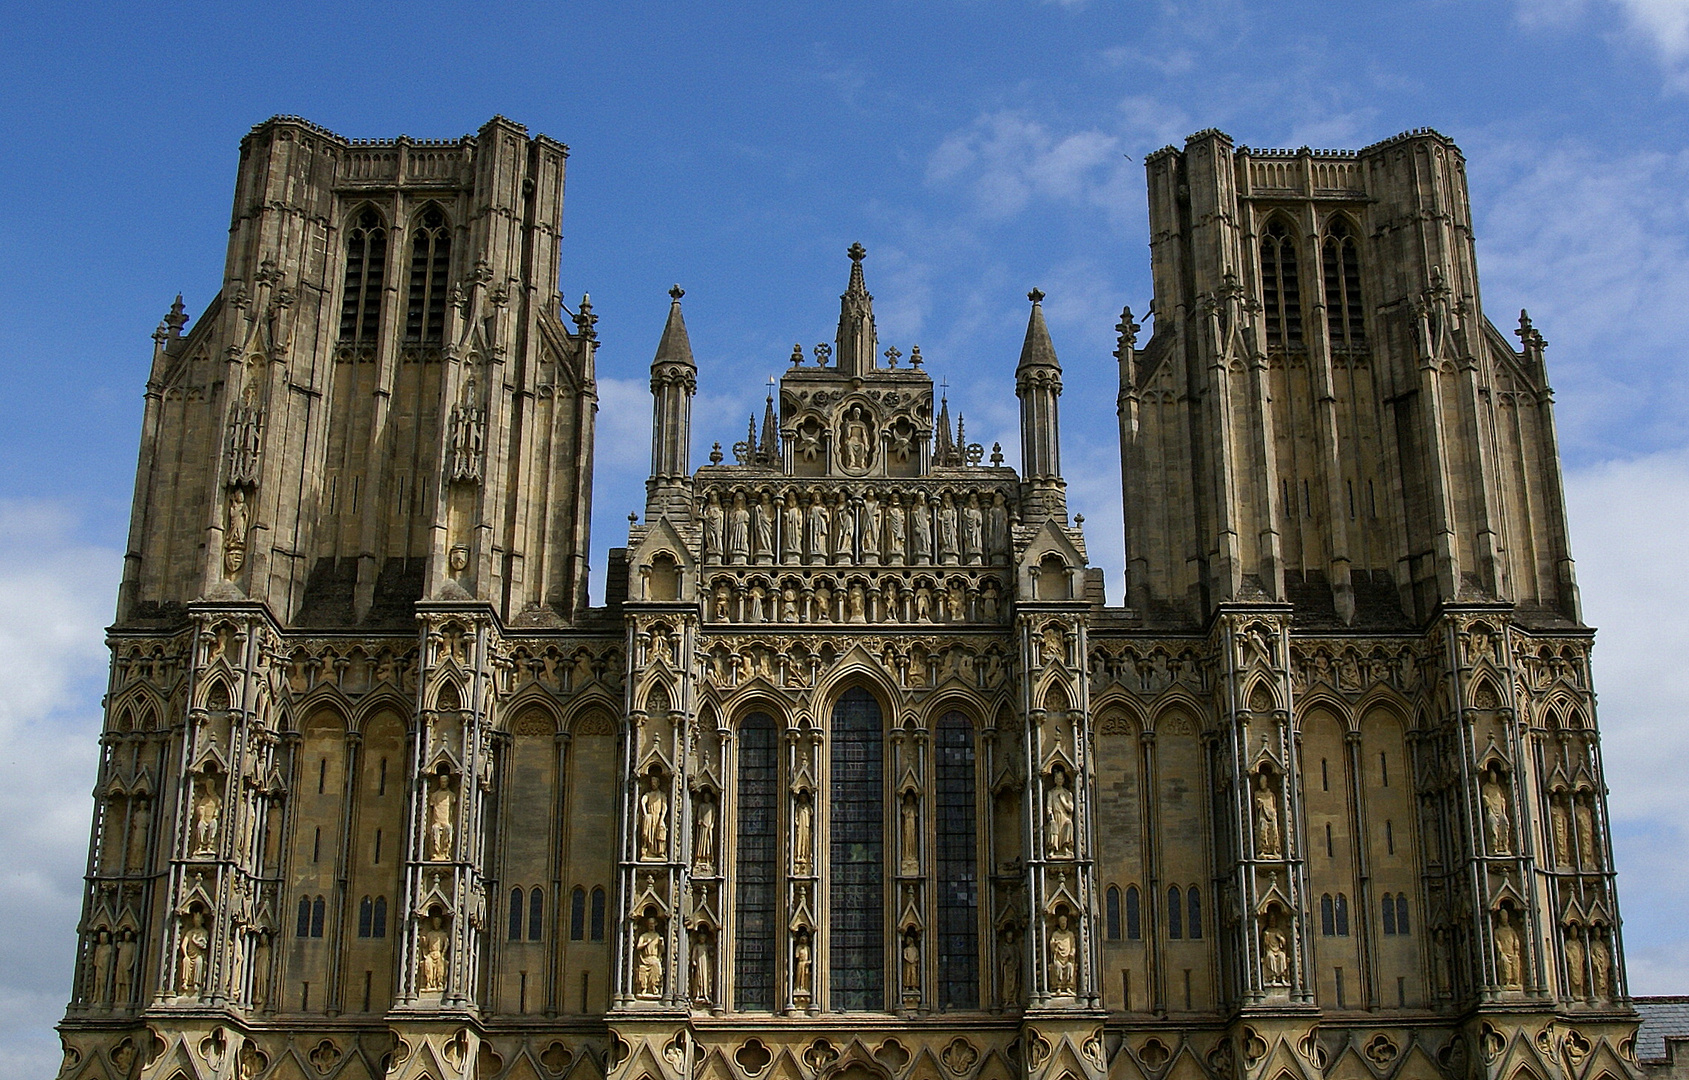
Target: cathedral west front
(857, 774)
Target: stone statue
(1058, 817)
(1275, 958)
(856, 610)
(997, 529)
(703, 847)
(208, 812)
(1267, 838)
(125, 967)
(1064, 952)
(715, 528)
(920, 530)
(973, 532)
(1586, 833)
(912, 961)
(234, 542)
(791, 529)
(756, 612)
(1561, 820)
(842, 526)
(191, 954)
(99, 972)
(870, 529)
(855, 441)
(764, 526)
(703, 967)
(1576, 985)
(653, 819)
(1497, 825)
(648, 948)
(1601, 965)
(802, 964)
(815, 541)
(1009, 967)
(431, 965)
(909, 817)
(923, 603)
(442, 804)
(789, 604)
(803, 833)
(896, 535)
(1510, 968)
(947, 546)
(738, 531)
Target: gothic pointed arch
(426, 290)
(1340, 265)
(1281, 287)
(364, 276)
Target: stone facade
(857, 775)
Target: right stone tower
(1346, 480)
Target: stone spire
(1038, 385)
(857, 342)
(674, 379)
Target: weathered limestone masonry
(856, 776)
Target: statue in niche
(1052, 647)
(191, 955)
(997, 529)
(912, 961)
(896, 535)
(654, 819)
(715, 528)
(1601, 966)
(803, 833)
(1586, 833)
(1498, 827)
(910, 833)
(791, 529)
(141, 818)
(431, 964)
(703, 967)
(856, 604)
(920, 530)
(870, 529)
(990, 604)
(1509, 952)
(1275, 957)
(738, 531)
(1064, 953)
(843, 523)
(947, 546)
(1576, 986)
(99, 971)
(764, 530)
(208, 812)
(1561, 821)
(973, 532)
(125, 967)
(855, 441)
(820, 528)
(1009, 967)
(923, 602)
(234, 541)
(803, 965)
(823, 603)
(442, 806)
(789, 603)
(648, 970)
(1058, 816)
(1478, 646)
(703, 847)
(1268, 841)
(757, 611)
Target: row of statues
(879, 600)
(889, 529)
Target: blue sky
(976, 148)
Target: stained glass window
(756, 939)
(958, 866)
(856, 851)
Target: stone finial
(585, 320)
(1128, 329)
(857, 253)
(797, 355)
(1036, 296)
(676, 292)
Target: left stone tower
(365, 464)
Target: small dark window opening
(303, 929)
(1112, 920)
(1193, 925)
(1175, 914)
(1342, 915)
(1134, 923)
(1328, 919)
(366, 917)
(379, 929)
(318, 910)
(577, 914)
(598, 914)
(536, 914)
(1401, 913)
(515, 933)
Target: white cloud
(1661, 26)
(56, 595)
(1007, 159)
(1628, 519)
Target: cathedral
(857, 774)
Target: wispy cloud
(1009, 158)
(1659, 26)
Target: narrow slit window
(536, 914)
(516, 895)
(1342, 915)
(379, 929)
(318, 911)
(366, 917)
(1193, 925)
(598, 914)
(756, 941)
(1112, 920)
(1134, 915)
(1175, 914)
(577, 914)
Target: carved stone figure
(703, 843)
(920, 531)
(1275, 958)
(234, 541)
(923, 602)
(912, 962)
(870, 530)
(125, 983)
(648, 949)
(764, 530)
(802, 964)
(1561, 820)
(1058, 817)
(1009, 967)
(1601, 967)
(1064, 953)
(1498, 827)
(191, 955)
(431, 964)
(791, 529)
(803, 834)
(997, 530)
(738, 531)
(856, 609)
(815, 539)
(909, 833)
(1509, 956)
(948, 549)
(442, 814)
(1268, 842)
(703, 968)
(855, 441)
(99, 971)
(842, 528)
(654, 819)
(1576, 984)
(896, 533)
(715, 528)
(973, 532)
(208, 812)
(1586, 833)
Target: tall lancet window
(1344, 312)
(1281, 294)
(856, 888)
(366, 263)
(431, 257)
(756, 933)
(958, 866)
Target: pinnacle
(1038, 350)
(675, 347)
